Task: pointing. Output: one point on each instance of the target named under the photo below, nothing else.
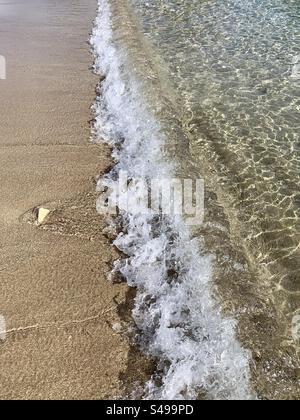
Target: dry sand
(58, 306)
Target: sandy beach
(196, 308)
(58, 306)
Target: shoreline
(66, 330)
(58, 306)
(245, 314)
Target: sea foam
(178, 318)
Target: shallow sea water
(221, 81)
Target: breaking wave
(177, 313)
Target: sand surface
(57, 304)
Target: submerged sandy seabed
(58, 307)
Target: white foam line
(180, 320)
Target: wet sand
(58, 306)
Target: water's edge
(177, 313)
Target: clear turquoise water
(235, 65)
(223, 80)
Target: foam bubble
(176, 312)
